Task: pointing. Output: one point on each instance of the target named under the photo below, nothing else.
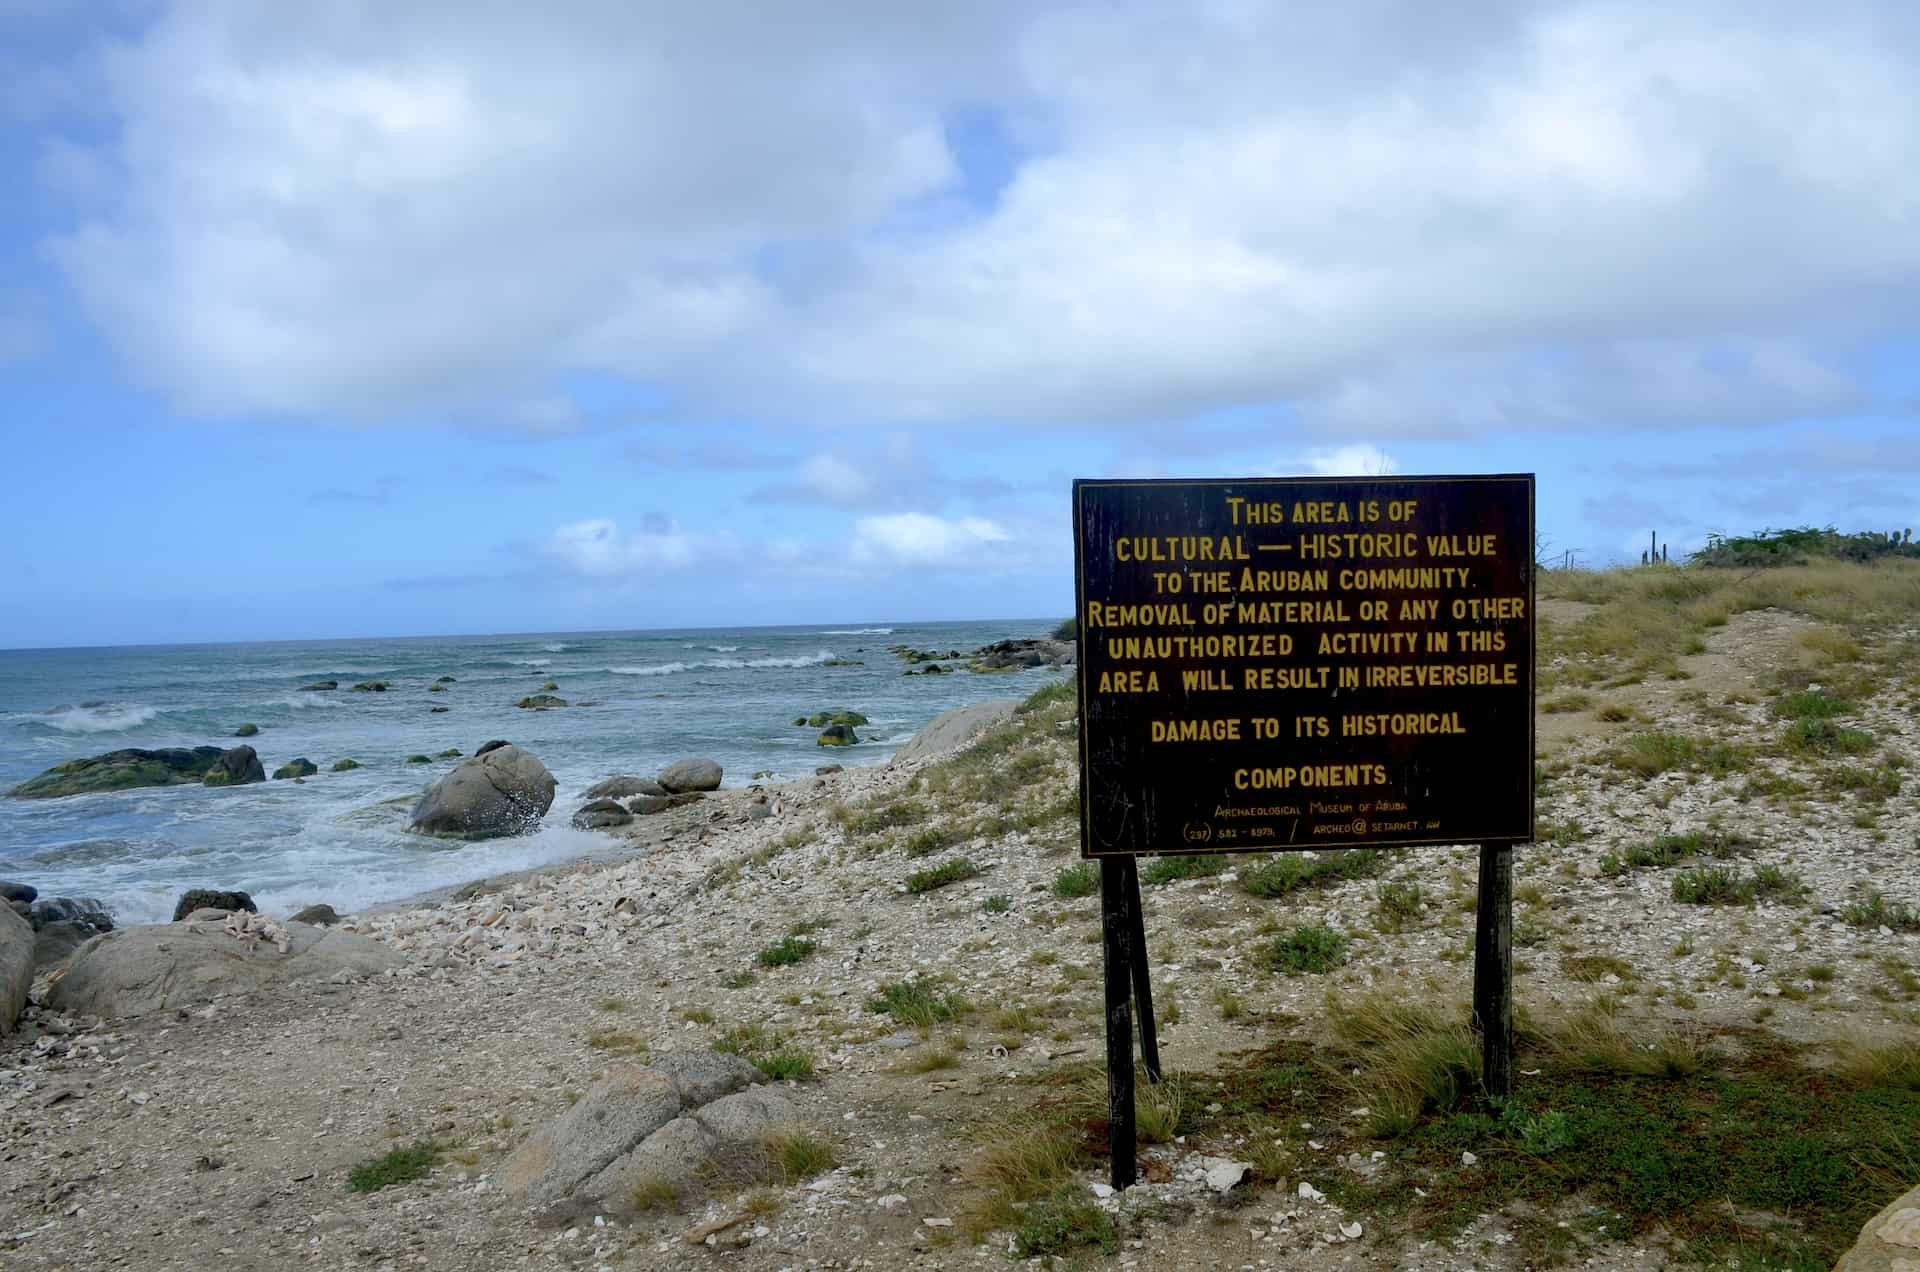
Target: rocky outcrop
(540, 702)
(342, 766)
(16, 966)
(302, 767)
(1890, 1242)
(211, 899)
(321, 915)
(837, 735)
(371, 686)
(236, 767)
(624, 788)
(645, 805)
(157, 967)
(601, 814)
(688, 1114)
(21, 892)
(494, 745)
(952, 729)
(85, 911)
(246, 730)
(692, 774)
(320, 686)
(501, 791)
(121, 770)
(55, 942)
(838, 715)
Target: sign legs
(1142, 984)
(1493, 969)
(1119, 907)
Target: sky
(343, 319)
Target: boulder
(953, 729)
(157, 967)
(211, 899)
(302, 767)
(86, 911)
(53, 943)
(371, 686)
(236, 767)
(1890, 1242)
(419, 759)
(601, 814)
(540, 702)
(451, 753)
(826, 770)
(837, 735)
(342, 766)
(550, 687)
(246, 730)
(437, 710)
(121, 770)
(17, 891)
(436, 688)
(320, 686)
(839, 715)
(319, 915)
(1013, 655)
(644, 805)
(624, 787)
(691, 774)
(16, 967)
(445, 680)
(669, 1121)
(501, 791)
(494, 745)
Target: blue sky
(348, 319)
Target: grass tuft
(398, 1166)
(1312, 950)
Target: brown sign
(1270, 664)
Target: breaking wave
(858, 631)
(97, 717)
(725, 664)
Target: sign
(1302, 663)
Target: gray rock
(236, 766)
(692, 774)
(720, 1141)
(624, 787)
(320, 686)
(598, 1148)
(318, 915)
(826, 769)
(644, 805)
(758, 812)
(502, 790)
(21, 908)
(156, 967)
(86, 911)
(17, 891)
(54, 942)
(211, 899)
(837, 735)
(953, 729)
(1889, 1239)
(16, 967)
(494, 745)
(302, 767)
(600, 815)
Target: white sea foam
(858, 631)
(530, 662)
(725, 664)
(97, 717)
(310, 700)
(557, 647)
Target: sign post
(1302, 664)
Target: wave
(858, 631)
(529, 662)
(718, 649)
(310, 700)
(726, 664)
(557, 647)
(96, 717)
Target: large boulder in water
(121, 770)
(236, 767)
(504, 791)
(692, 774)
(156, 967)
(624, 788)
(16, 966)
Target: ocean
(637, 701)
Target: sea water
(637, 700)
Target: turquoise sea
(638, 700)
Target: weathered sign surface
(1294, 663)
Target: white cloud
(918, 538)
(833, 479)
(1356, 459)
(598, 548)
(1410, 219)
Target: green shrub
(955, 871)
(1313, 949)
(1077, 881)
(917, 1003)
(1169, 869)
(789, 950)
(1292, 871)
(400, 1166)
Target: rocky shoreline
(907, 958)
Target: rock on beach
(16, 966)
(696, 773)
(503, 790)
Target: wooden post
(1142, 985)
(1493, 969)
(1116, 927)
